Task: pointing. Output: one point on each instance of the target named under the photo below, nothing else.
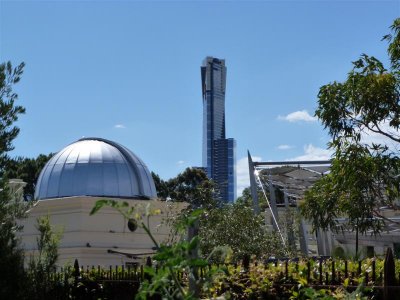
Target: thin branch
(378, 130)
(176, 280)
(150, 235)
(382, 132)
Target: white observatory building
(69, 186)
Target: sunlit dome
(95, 167)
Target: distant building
(219, 153)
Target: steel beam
(253, 185)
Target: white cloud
(298, 116)
(119, 126)
(180, 162)
(313, 153)
(284, 147)
(242, 174)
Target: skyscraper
(219, 153)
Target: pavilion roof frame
(299, 163)
(255, 166)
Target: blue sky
(129, 71)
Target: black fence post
(149, 264)
(76, 274)
(373, 271)
(246, 263)
(389, 277)
(286, 270)
(320, 271)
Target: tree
(364, 174)
(8, 110)
(235, 226)
(27, 169)
(44, 263)
(247, 199)
(192, 186)
(12, 275)
(162, 187)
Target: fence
(84, 282)
(378, 276)
(324, 273)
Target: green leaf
(197, 262)
(99, 204)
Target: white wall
(88, 238)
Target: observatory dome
(95, 167)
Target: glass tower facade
(219, 157)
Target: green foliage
(192, 186)
(310, 293)
(394, 45)
(247, 199)
(8, 110)
(237, 227)
(364, 176)
(358, 184)
(121, 206)
(12, 275)
(27, 169)
(47, 244)
(260, 280)
(270, 281)
(238, 283)
(304, 292)
(289, 223)
(44, 263)
(171, 260)
(162, 187)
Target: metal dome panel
(95, 167)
